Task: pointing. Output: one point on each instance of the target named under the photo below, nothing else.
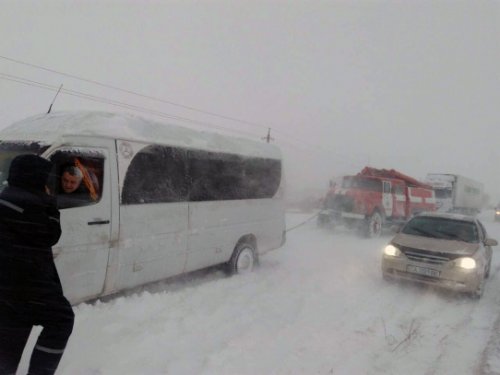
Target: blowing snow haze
(406, 85)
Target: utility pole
(268, 138)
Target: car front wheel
(487, 273)
(478, 293)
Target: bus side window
(157, 174)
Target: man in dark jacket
(30, 289)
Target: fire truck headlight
(392, 251)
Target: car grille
(426, 256)
(415, 276)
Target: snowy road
(318, 305)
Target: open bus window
(77, 179)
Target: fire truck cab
(375, 198)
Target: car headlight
(392, 251)
(466, 263)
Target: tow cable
(304, 222)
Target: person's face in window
(69, 183)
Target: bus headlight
(392, 251)
(466, 263)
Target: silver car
(446, 250)
(497, 212)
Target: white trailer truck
(455, 193)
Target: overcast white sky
(411, 85)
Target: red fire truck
(375, 198)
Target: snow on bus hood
(435, 244)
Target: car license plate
(423, 271)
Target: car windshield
(9, 150)
(442, 228)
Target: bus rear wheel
(243, 260)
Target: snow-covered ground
(318, 305)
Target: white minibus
(155, 200)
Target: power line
(299, 145)
(306, 146)
(132, 92)
(161, 114)
(98, 99)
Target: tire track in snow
(457, 331)
(489, 363)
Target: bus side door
(81, 255)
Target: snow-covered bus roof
(53, 127)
